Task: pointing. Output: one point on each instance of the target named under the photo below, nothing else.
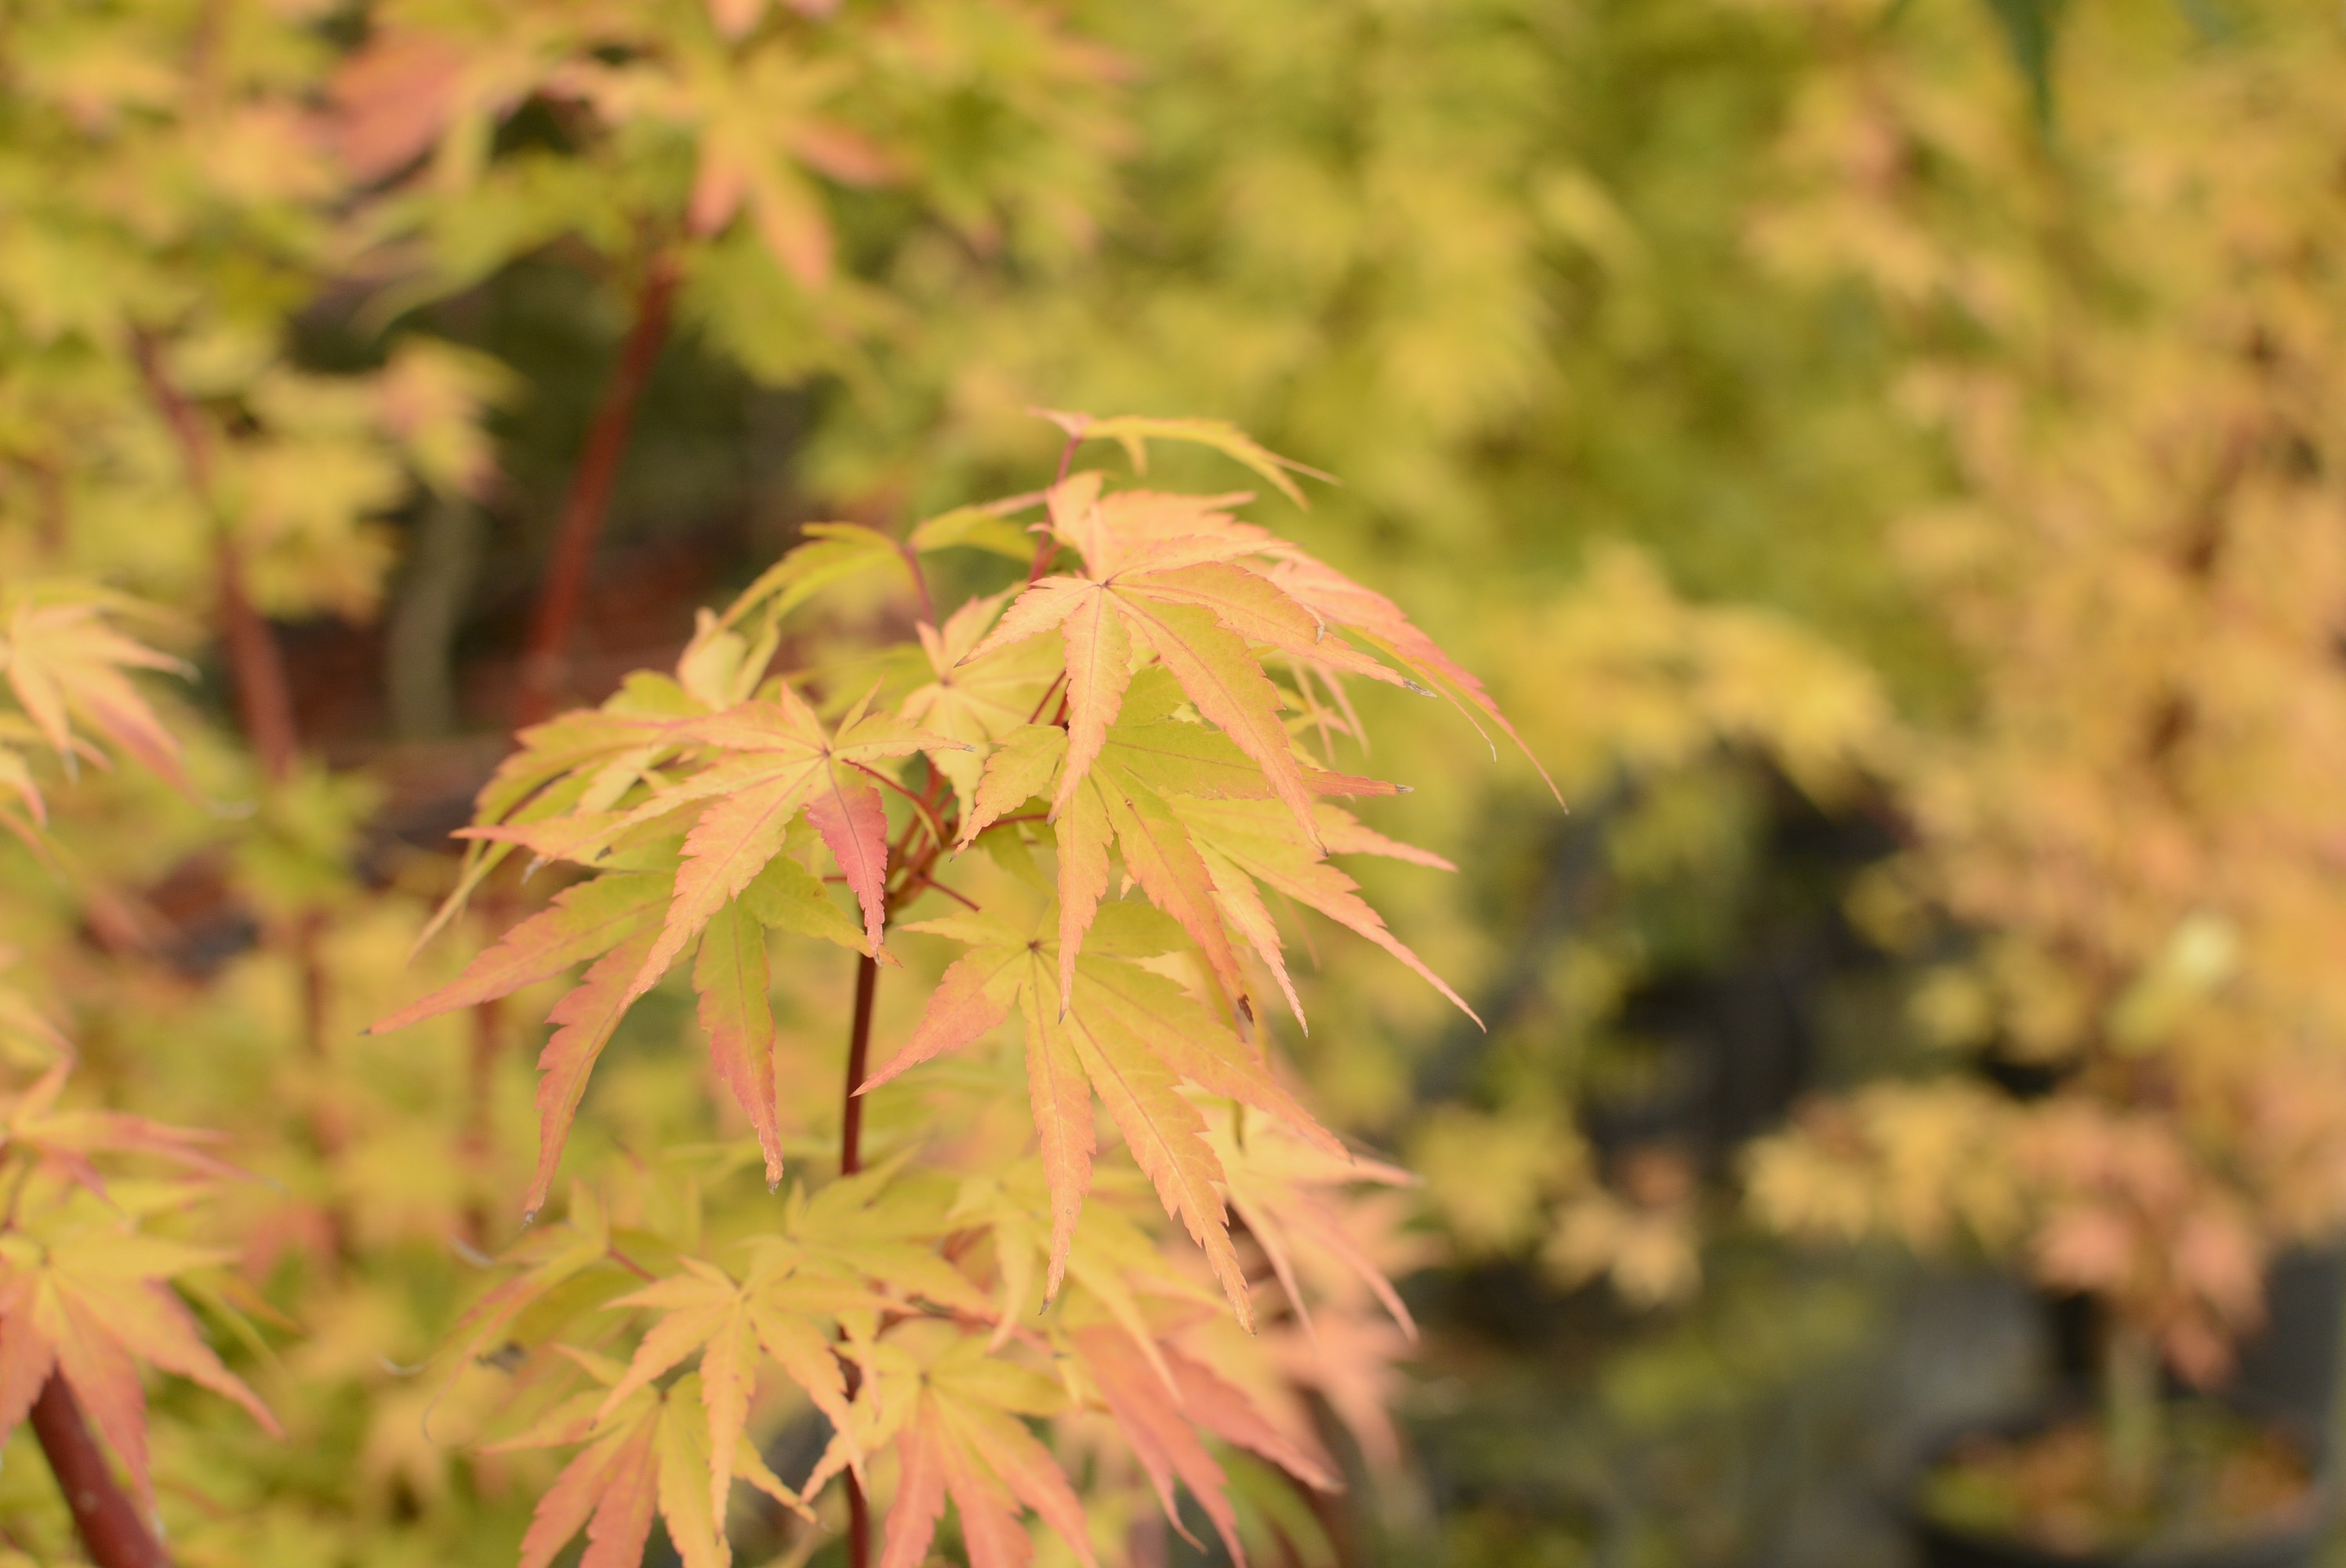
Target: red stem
(858, 1049)
(850, 1160)
(859, 1525)
(545, 661)
(264, 699)
(1047, 543)
(111, 1527)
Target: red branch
(859, 1050)
(110, 1523)
(545, 661)
(850, 1160)
(264, 699)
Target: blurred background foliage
(1722, 377)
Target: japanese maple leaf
(1146, 758)
(63, 1138)
(1130, 1035)
(834, 1253)
(645, 1453)
(575, 764)
(704, 1312)
(1160, 1408)
(82, 1293)
(1140, 526)
(1336, 600)
(776, 760)
(1286, 1191)
(1172, 588)
(1245, 842)
(956, 1417)
(983, 700)
(613, 921)
(65, 662)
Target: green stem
(2130, 1411)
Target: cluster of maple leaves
(2138, 819)
(1123, 716)
(88, 1265)
(1120, 716)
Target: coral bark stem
(545, 661)
(112, 1528)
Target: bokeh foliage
(1808, 413)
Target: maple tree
(89, 1261)
(1618, 328)
(2133, 824)
(898, 1298)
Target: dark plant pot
(2292, 1545)
(2290, 1538)
(2288, 1371)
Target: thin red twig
(920, 582)
(264, 699)
(922, 879)
(546, 660)
(1046, 544)
(919, 804)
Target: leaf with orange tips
(1337, 600)
(730, 976)
(66, 663)
(920, 1496)
(1156, 1014)
(1240, 903)
(975, 994)
(1129, 1035)
(1254, 607)
(725, 851)
(1247, 836)
(1082, 831)
(1041, 608)
(784, 761)
(90, 1297)
(990, 1528)
(1145, 1414)
(1229, 688)
(691, 1486)
(1226, 1411)
(1062, 1102)
(1099, 668)
(611, 1489)
(855, 828)
(585, 921)
(1167, 1137)
(586, 1018)
(1158, 854)
(1026, 1466)
(1134, 432)
(1020, 768)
